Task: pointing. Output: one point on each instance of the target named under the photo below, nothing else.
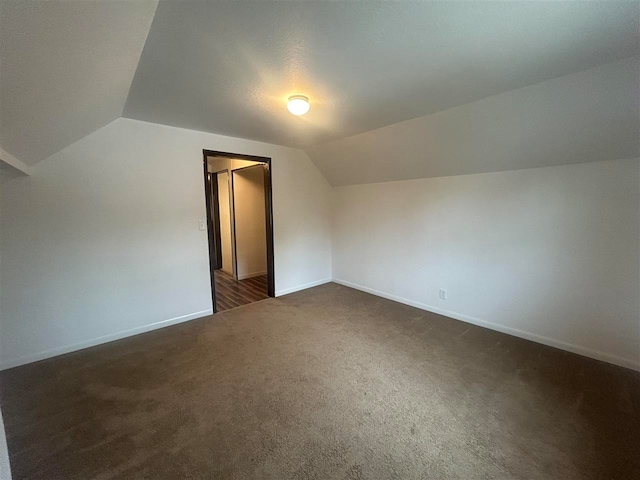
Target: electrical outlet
(443, 294)
(201, 225)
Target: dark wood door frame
(211, 230)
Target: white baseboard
(551, 342)
(588, 352)
(286, 291)
(54, 352)
(250, 275)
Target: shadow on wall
(241, 221)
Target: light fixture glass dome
(298, 104)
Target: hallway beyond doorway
(231, 293)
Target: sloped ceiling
(65, 69)
(583, 117)
(228, 67)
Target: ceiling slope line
(144, 45)
(12, 161)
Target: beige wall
(579, 118)
(250, 222)
(250, 262)
(226, 232)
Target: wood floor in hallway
(231, 293)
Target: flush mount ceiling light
(298, 104)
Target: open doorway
(240, 227)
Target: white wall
(579, 118)
(550, 254)
(250, 221)
(102, 240)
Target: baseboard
(251, 275)
(562, 345)
(54, 352)
(286, 291)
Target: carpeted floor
(327, 383)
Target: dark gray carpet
(328, 383)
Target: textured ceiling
(228, 67)
(582, 117)
(65, 69)
(217, 164)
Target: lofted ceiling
(228, 67)
(582, 117)
(67, 67)
(7, 172)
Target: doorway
(240, 228)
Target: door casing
(210, 207)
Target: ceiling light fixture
(298, 104)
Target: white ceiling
(7, 172)
(65, 69)
(228, 67)
(582, 117)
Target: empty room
(336, 240)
